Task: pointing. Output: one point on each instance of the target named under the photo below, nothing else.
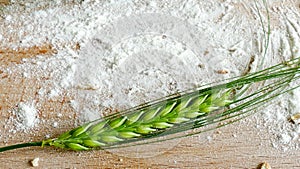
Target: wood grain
(247, 150)
(4, 2)
(15, 56)
(234, 146)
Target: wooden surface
(240, 145)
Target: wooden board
(234, 146)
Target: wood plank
(234, 146)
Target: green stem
(12, 147)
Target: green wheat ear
(195, 110)
(140, 123)
(172, 116)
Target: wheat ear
(151, 120)
(178, 113)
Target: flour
(112, 55)
(277, 120)
(151, 49)
(26, 117)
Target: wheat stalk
(176, 114)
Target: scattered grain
(295, 118)
(223, 71)
(35, 162)
(264, 165)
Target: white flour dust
(25, 117)
(161, 46)
(134, 51)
